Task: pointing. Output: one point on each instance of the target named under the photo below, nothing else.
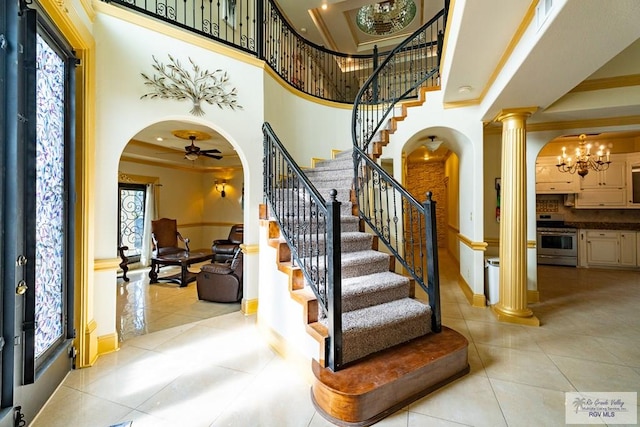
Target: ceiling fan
(192, 152)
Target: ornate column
(512, 306)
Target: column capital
(508, 113)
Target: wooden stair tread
(374, 387)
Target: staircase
(380, 349)
(378, 312)
(390, 356)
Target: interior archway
(197, 178)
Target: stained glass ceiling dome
(386, 17)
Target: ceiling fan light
(191, 156)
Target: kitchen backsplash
(555, 203)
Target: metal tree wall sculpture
(174, 82)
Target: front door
(36, 79)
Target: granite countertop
(632, 226)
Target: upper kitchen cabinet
(549, 180)
(613, 177)
(604, 189)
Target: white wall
(306, 129)
(190, 197)
(123, 51)
(461, 130)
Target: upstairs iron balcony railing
(257, 27)
(406, 226)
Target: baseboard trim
(249, 307)
(533, 296)
(90, 344)
(108, 343)
(475, 300)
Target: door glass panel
(50, 213)
(131, 220)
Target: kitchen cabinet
(604, 189)
(613, 177)
(607, 198)
(628, 248)
(603, 248)
(609, 248)
(549, 180)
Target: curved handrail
(311, 227)
(260, 29)
(370, 93)
(405, 226)
(311, 68)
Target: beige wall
(189, 196)
(452, 172)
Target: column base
(527, 320)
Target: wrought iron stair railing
(406, 226)
(257, 27)
(311, 227)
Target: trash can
(492, 280)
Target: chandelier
(386, 17)
(584, 159)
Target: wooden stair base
(376, 387)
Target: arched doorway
(188, 172)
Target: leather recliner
(221, 282)
(224, 249)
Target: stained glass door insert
(50, 198)
(131, 220)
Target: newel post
(433, 273)
(334, 283)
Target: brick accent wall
(430, 176)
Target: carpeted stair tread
(395, 311)
(302, 201)
(378, 288)
(348, 223)
(340, 163)
(363, 263)
(354, 264)
(350, 241)
(372, 329)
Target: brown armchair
(165, 236)
(221, 282)
(224, 249)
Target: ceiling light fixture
(464, 89)
(584, 160)
(432, 145)
(324, 6)
(386, 17)
(191, 156)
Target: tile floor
(218, 371)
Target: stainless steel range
(556, 243)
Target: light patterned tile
(419, 420)
(262, 403)
(136, 382)
(502, 335)
(198, 397)
(528, 406)
(525, 367)
(70, 407)
(469, 400)
(587, 375)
